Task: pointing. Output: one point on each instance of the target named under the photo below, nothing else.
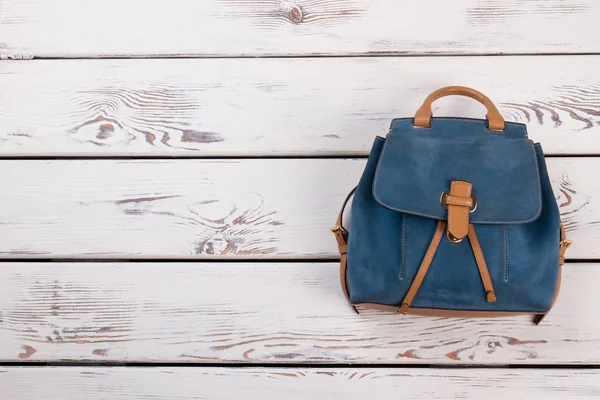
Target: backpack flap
(417, 165)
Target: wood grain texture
(106, 383)
(69, 28)
(214, 208)
(264, 313)
(247, 107)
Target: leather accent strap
(459, 203)
(340, 217)
(343, 247)
(564, 244)
(423, 114)
(482, 266)
(414, 287)
(442, 312)
(341, 236)
(343, 282)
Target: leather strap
(479, 258)
(423, 114)
(459, 204)
(341, 236)
(482, 266)
(416, 284)
(443, 312)
(343, 256)
(564, 244)
(339, 222)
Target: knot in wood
(295, 14)
(492, 344)
(106, 131)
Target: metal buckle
(565, 242)
(337, 228)
(445, 205)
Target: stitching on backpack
(402, 258)
(506, 253)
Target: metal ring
(452, 238)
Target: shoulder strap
(564, 243)
(341, 236)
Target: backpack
(453, 217)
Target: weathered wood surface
(70, 28)
(208, 208)
(264, 313)
(109, 383)
(252, 107)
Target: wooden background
(169, 171)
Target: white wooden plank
(264, 313)
(109, 383)
(207, 208)
(67, 28)
(279, 106)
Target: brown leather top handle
(423, 114)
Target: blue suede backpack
(453, 217)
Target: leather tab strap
(490, 293)
(564, 244)
(341, 236)
(423, 114)
(425, 264)
(459, 203)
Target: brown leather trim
(458, 211)
(341, 236)
(564, 244)
(482, 265)
(343, 282)
(416, 283)
(435, 312)
(459, 201)
(423, 114)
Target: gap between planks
(295, 384)
(199, 56)
(315, 366)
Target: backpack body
(454, 219)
